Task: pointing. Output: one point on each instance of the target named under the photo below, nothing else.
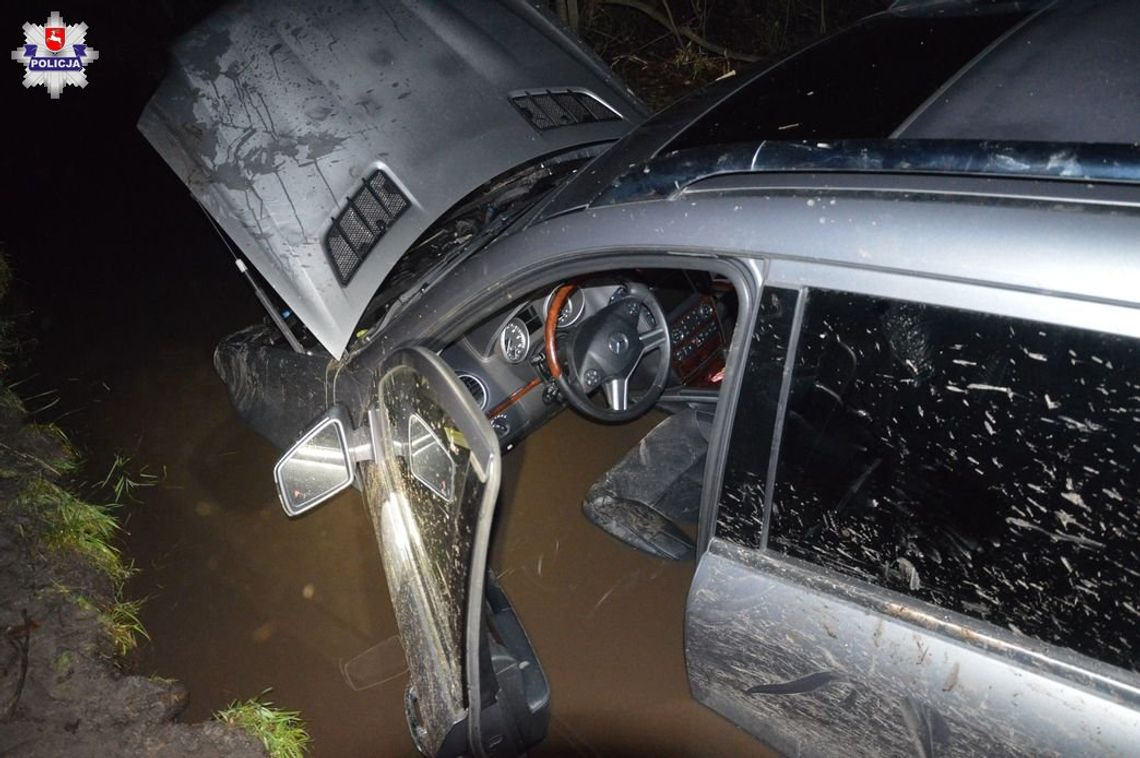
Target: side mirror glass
(317, 467)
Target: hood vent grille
(550, 109)
(362, 222)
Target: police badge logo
(55, 55)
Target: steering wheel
(604, 350)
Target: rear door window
(984, 464)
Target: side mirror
(319, 465)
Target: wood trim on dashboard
(516, 396)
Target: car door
(475, 685)
(431, 474)
(925, 533)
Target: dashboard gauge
(571, 311)
(514, 342)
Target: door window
(740, 515)
(981, 463)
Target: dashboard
(502, 362)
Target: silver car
(885, 295)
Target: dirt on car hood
(275, 116)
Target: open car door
(476, 687)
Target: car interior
(614, 346)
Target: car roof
(1070, 73)
(1063, 74)
(673, 173)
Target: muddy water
(605, 619)
(242, 599)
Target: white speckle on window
(991, 388)
(1074, 498)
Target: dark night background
(106, 245)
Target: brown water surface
(242, 598)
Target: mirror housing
(321, 463)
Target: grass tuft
(68, 523)
(122, 622)
(64, 458)
(52, 519)
(281, 732)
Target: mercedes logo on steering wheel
(619, 343)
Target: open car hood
(276, 116)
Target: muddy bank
(61, 692)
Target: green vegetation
(37, 467)
(122, 483)
(64, 547)
(64, 522)
(122, 621)
(60, 456)
(61, 523)
(10, 403)
(42, 446)
(282, 732)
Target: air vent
(550, 109)
(477, 389)
(362, 222)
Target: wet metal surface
(817, 667)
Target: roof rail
(667, 175)
(977, 6)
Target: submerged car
(886, 293)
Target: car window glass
(741, 510)
(860, 84)
(982, 463)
